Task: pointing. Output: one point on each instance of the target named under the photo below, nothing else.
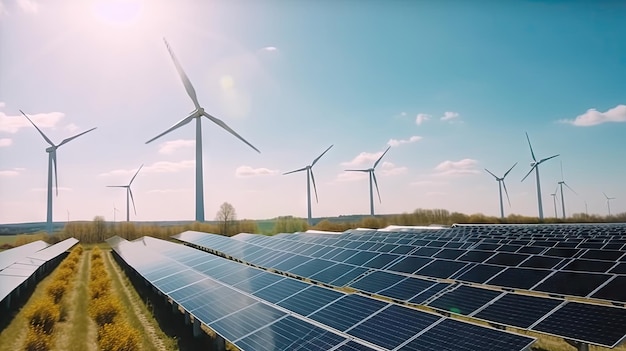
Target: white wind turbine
(608, 202)
(560, 184)
(554, 200)
(197, 114)
(372, 177)
(52, 163)
(309, 178)
(535, 166)
(129, 193)
(500, 185)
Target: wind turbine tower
(608, 202)
(197, 114)
(560, 184)
(309, 178)
(554, 200)
(52, 163)
(535, 166)
(129, 193)
(372, 177)
(500, 185)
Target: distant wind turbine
(52, 163)
(372, 177)
(554, 200)
(608, 202)
(535, 166)
(561, 183)
(500, 185)
(197, 114)
(129, 193)
(115, 211)
(309, 178)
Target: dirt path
(140, 314)
(78, 332)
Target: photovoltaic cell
(392, 326)
(464, 299)
(312, 267)
(246, 321)
(280, 290)
(546, 262)
(310, 300)
(480, 273)
(453, 335)
(572, 283)
(441, 268)
(584, 265)
(258, 282)
(615, 290)
(347, 311)
(406, 289)
(507, 259)
(519, 278)
(360, 258)
(380, 261)
(409, 264)
(354, 346)
(349, 276)
(597, 324)
(475, 256)
(428, 293)
(518, 310)
(332, 273)
(376, 281)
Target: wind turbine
(197, 114)
(115, 211)
(309, 177)
(535, 166)
(372, 176)
(128, 193)
(608, 202)
(560, 184)
(500, 185)
(554, 200)
(52, 163)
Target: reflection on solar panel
(464, 299)
(347, 311)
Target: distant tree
(247, 226)
(98, 229)
(289, 224)
(226, 216)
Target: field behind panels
(457, 288)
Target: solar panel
(572, 283)
(406, 289)
(607, 255)
(614, 290)
(480, 273)
(507, 259)
(376, 281)
(380, 261)
(332, 273)
(584, 265)
(602, 325)
(441, 268)
(347, 311)
(258, 282)
(464, 299)
(452, 335)
(280, 290)
(409, 264)
(393, 326)
(546, 262)
(311, 267)
(475, 256)
(518, 310)
(353, 346)
(246, 321)
(519, 278)
(349, 276)
(310, 300)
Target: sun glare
(118, 13)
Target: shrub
(37, 340)
(104, 310)
(96, 253)
(118, 336)
(99, 287)
(64, 274)
(43, 314)
(56, 290)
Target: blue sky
(451, 85)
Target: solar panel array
(511, 275)
(19, 264)
(256, 309)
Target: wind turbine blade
(320, 156)
(381, 157)
(376, 184)
(488, 171)
(356, 170)
(507, 172)
(116, 186)
(506, 192)
(54, 163)
(186, 82)
(132, 200)
(39, 130)
(220, 123)
(179, 124)
(562, 179)
(314, 187)
(529, 172)
(605, 195)
(531, 148)
(570, 188)
(297, 170)
(65, 141)
(547, 158)
(131, 181)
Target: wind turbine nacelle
(533, 164)
(51, 149)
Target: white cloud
(247, 171)
(364, 158)
(157, 167)
(12, 124)
(396, 142)
(447, 116)
(390, 169)
(4, 142)
(421, 118)
(28, 6)
(462, 167)
(350, 176)
(593, 117)
(71, 127)
(168, 147)
(270, 48)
